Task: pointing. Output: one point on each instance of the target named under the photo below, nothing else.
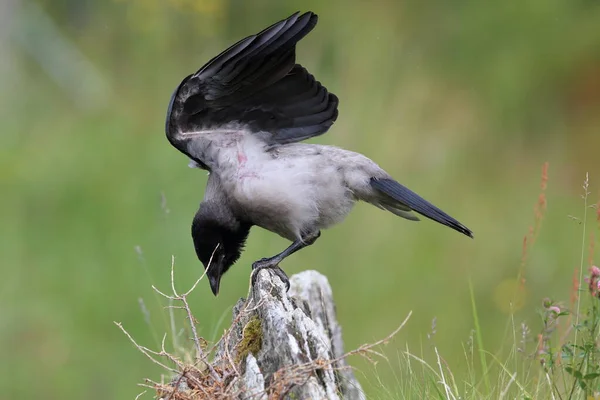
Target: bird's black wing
(255, 84)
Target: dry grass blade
(146, 351)
(201, 357)
(368, 348)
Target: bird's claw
(265, 264)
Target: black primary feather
(257, 84)
(407, 197)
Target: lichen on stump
(251, 342)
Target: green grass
(462, 104)
(556, 357)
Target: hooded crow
(241, 118)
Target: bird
(243, 117)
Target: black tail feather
(401, 194)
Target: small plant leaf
(576, 373)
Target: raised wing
(257, 86)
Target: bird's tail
(401, 200)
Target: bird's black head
(218, 239)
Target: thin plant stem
(585, 198)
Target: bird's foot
(267, 263)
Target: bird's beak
(214, 283)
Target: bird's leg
(273, 262)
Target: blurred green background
(461, 101)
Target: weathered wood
(301, 345)
(284, 344)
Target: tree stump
(284, 345)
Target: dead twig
(201, 357)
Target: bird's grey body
(292, 189)
(242, 117)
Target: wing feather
(255, 83)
